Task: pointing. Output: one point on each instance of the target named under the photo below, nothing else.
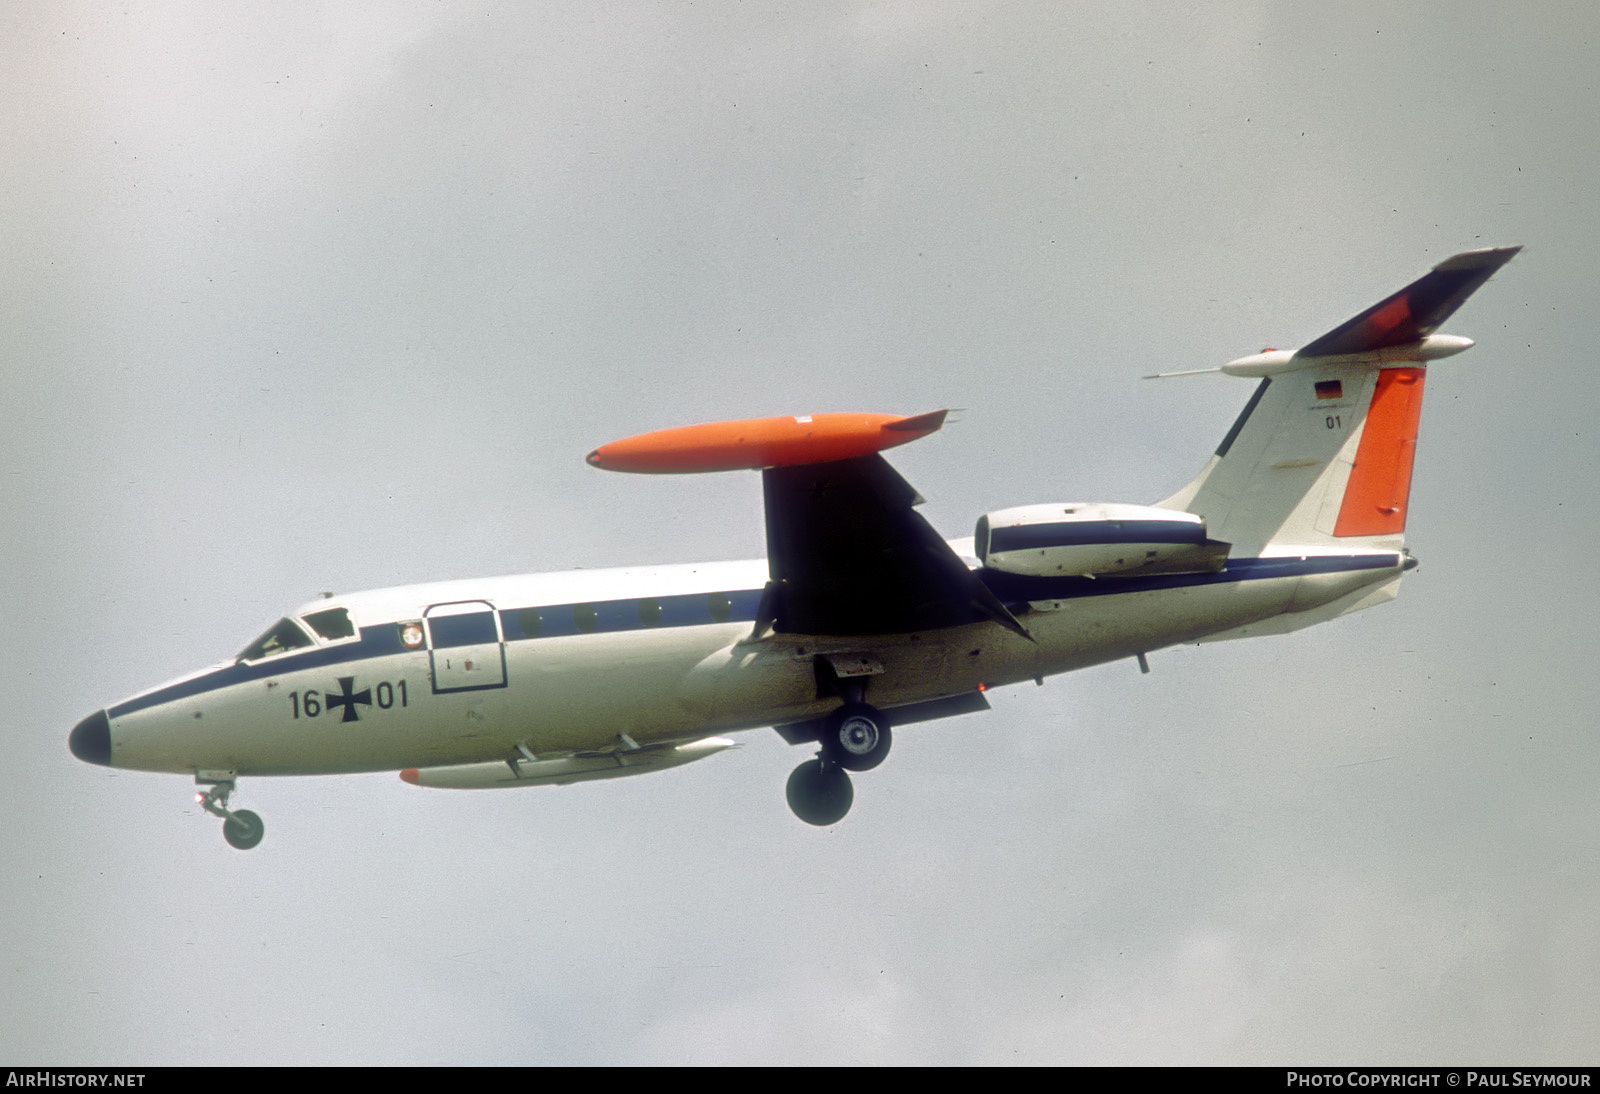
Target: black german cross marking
(347, 700)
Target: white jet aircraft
(861, 616)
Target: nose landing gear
(241, 828)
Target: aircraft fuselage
(567, 665)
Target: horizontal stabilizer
(1417, 310)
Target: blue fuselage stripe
(735, 606)
(1013, 588)
(380, 641)
(1066, 533)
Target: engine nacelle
(1097, 539)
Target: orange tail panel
(1380, 482)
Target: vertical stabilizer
(1321, 457)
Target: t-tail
(1320, 460)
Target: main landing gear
(854, 738)
(241, 828)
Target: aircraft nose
(90, 739)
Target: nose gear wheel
(242, 828)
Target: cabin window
(650, 612)
(531, 622)
(283, 636)
(720, 606)
(586, 618)
(332, 624)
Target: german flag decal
(1330, 389)
(1380, 482)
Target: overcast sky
(307, 297)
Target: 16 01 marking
(312, 703)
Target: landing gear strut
(854, 738)
(241, 828)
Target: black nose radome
(90, 739)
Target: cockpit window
(332, 624)
(285, 635)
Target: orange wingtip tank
(762, 442)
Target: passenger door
(465, 646)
